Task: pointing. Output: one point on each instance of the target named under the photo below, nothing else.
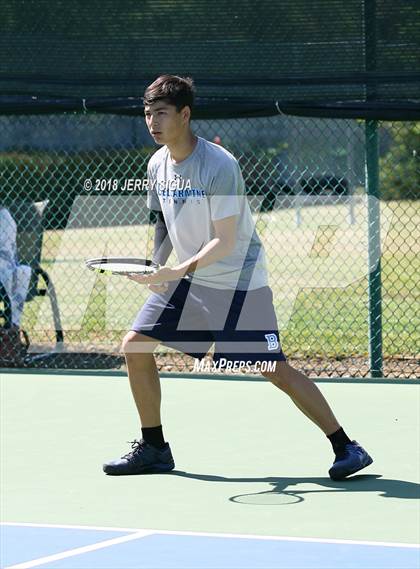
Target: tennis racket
(122, 265)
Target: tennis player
(218, 292)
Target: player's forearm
(213, 251)
(162, 245)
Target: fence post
(374, 213)
(374, 249)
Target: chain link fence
(75, 190)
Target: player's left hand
(163, 275)
(158, 288)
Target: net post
(298, 203)
(352, 215)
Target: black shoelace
(137, 446)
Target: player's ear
(186, 114)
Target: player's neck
(183, 147)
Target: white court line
(226, 535)
(79, 550)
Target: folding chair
(28, 217)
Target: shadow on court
(295, 490)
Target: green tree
(400, 166)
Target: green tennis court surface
(250, 489)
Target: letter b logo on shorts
(272, 341)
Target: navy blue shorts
(190, 318)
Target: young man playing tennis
(218, 293)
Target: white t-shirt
(205, 187)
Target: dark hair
(177, 91)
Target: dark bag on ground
(14, 344)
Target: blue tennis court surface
(26, 546)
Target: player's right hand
(162, 287)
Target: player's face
(165, 123)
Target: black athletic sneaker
(143, 459)
(353, 459)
